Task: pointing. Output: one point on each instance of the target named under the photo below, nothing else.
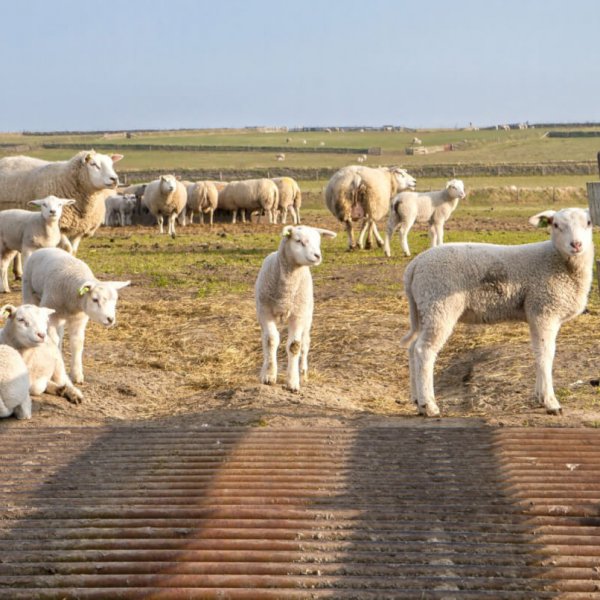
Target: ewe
(544, 284)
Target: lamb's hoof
(74, 396)
(77, 378)
(268, 379)
(429, 410)
(557, 410)
(292, 388)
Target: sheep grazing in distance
(55, 279)
(14, 384)
(363, 193)
(120, 209)
(250, 195)
(25, 231)
(165, 197)
(280, 157)
(202, 197)
(416, 141)
(88, 178)
(284, 294)
(432, 207)
(544, 284)
(290, 198)
(26, 330)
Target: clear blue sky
(85, 65)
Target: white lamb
(120, 209)
(544, 284)
(284, 294)
(433, 207)
(14, 384)
(55, 279)
(165, 197)
(26, 330)
(25, 231)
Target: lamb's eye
(589, 224)
(95, 300)
(555, 225)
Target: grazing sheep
(544, 284)
(202, 197)
(55, 279)
(25, 231)
(284, 294)
(432, 207)
(26, 330)
(14, 384)
(290, 198)
(88, 178)
(251, 195)
(120, 209)
(165, 197)
(360, 159)
(280, 157)
(356, 192)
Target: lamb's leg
(543, 341)
(350, 232)
(18, 266)
(294, 349)
(60, 384)
(4, 264)
(75, 244)
(440, 233)
(23, 410)
(378, 237)
(411, 370)
(392, 225)
(304, 354)
(270, 343)
(76, 326)
(403, 233)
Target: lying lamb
(55, 279)
(433, 207)
(545, 284)
(25, 231)
(284, 294)
(26, 331)
(14, 384)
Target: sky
(153, 64)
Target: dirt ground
(196, 360)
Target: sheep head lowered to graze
(284, 294)
(544, 284)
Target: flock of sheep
(544, 284)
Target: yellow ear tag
(5, 314)
(84, 289)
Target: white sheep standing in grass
(14, 384)
(290, 198)
(25, 231)
(165, 197)
(26, 330)
(544, 284)
(55, 279)
(250, 195)
(284, 294)
(202, 198)
(406, 208)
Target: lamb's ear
(286, 232)
(8, 311)
(68, 201)
(542, 219)
(37, 202)
(48, 311)
(117, 285)
(116, 157)
(86, 288)
(326, 232)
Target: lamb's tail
(415, 324)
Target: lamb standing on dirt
(357, 192)
(250, 195)
(88, 178)
(14, 384)
(545, 284)
(55, 279)
(284, 294)
(165, 197)
(120, 209)
(25, 231)
(290, 198)
(434, 207)
(26, 330)
(202, 197)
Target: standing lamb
(25, 231)
(165, 197)
(250, 195)
(88, 178)
(55, 279)
(120, 209)
(14, 384)
(432, 207)
(290, 198)
(357, 192)
(284, 294)
(544, 284)
(202, 197)
(26, 330)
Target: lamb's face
(168, 183)
(571, 230)
(100, 170)
(100, 300)
(404, 180)
(129, 204)
(456, 189)
(29, 323)
(304, 244)
(52, 207)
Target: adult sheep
(202, 197)
(88, 178)
(290, 198)
(364, 193)
(165, 197)
(544, 284)
(250, 195)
